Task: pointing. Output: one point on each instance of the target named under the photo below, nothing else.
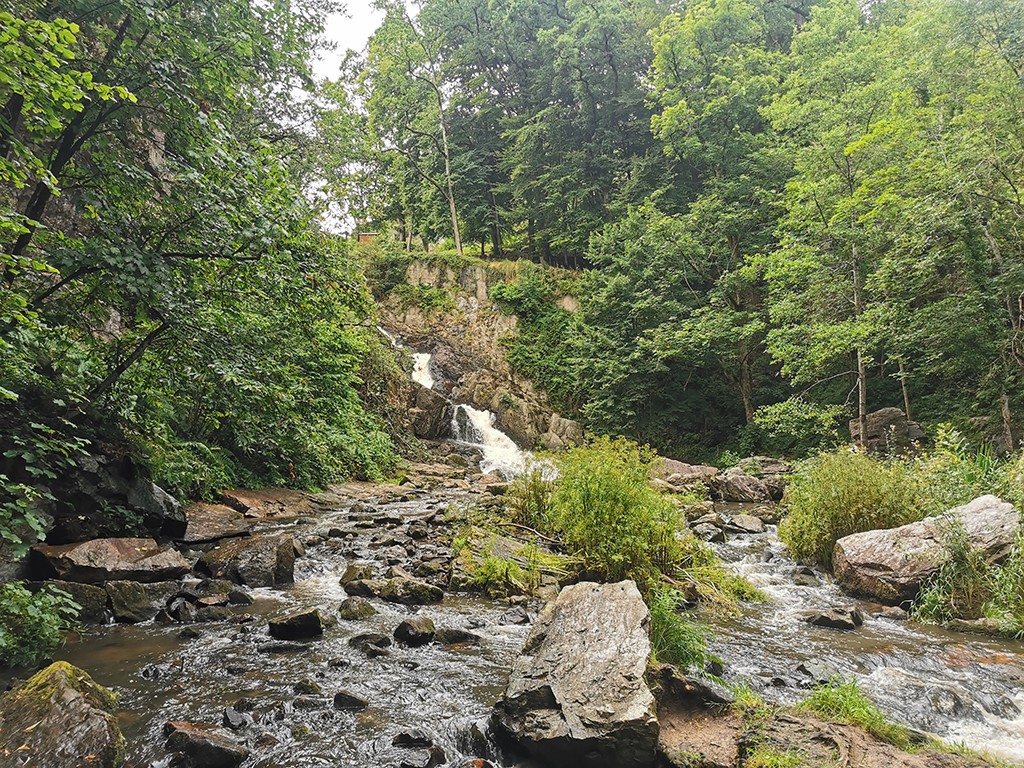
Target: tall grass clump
(844, 702)
(604, 511)
(844, 492)
(674, 640)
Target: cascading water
(962, 688)
(421, 372)
(500, 453)
(473, 426)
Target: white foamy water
(501, 455)
(994, 736)
(421, 369)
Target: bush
(845, 492)
(604, 511)
(844, 702)
(32, 625)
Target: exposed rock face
(100, 560)
(737, 486)
(887, 429)
(256, 561)
(430, 413)
(577, 696)
(562, 433)
(891, 565)
(105, 479)
(209, 522)
(57, 718)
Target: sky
(351, 30)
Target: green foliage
(798, 427)
(840, 493)
(605, 513)
(32, 625)
(765, 756)
(844, 702)
(962, 586)
(675, 639)
(426, 297)
(497, 576)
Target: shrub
(837, 494)
(605, 512)
(32, 625)
(530, 498)
(962, 586)
(844, 702)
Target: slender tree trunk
(862, 369)
(903, 387)
(1004, 403)
(747, 388)
(448, 171)
(119, 370)
(495, 226)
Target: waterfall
(500, 453)
(421, 369)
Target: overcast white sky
(349, 31)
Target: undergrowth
(844, 702)
(32, 625)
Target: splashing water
(500, 453)
(421, 373)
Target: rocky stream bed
(380, 660)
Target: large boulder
(87, 489)
(132, 602)
(99, 560)
(60, 718)
(210, 522)
(887, 429)
(680, 475)
(430, 413)
(256, 561)
(892, 564)
(562, 433)
(205, 745)
(577, 695)
(737, 486)
(268, 502)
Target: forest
(539, 332)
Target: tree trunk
(747, 388)
(1004, 403)
(862, 369)
(903, 387)
(448, 171)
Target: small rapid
(961, 688)
(500, 453)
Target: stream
(961, 688)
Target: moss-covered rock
(64, 717)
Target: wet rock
(210, 522)
(735, 485)
(206, 745)
(283, 647)
(356, 572)
(424, 758)
(215, 613)
(577, 695)
(816, 673)
(308, 687)
(210, 601)
(415, 631)
(268, 502)
(356, 609)
(299, 625)
(430, 413)
(476, 762)
(372, 644)
(240, 597)
(691, 687)
(412, 738)
(99, 560)
(132, 602)
(746, 524)
(155, 671)
(708, 532)
(891, 565)
(93, 600)
(407, 591)
(888, 430)
(451, 636)
(58, 716)
(236, 720)
(255, 561)
(515, 615)
(834, 618)
(349, 702)
(804, 576)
